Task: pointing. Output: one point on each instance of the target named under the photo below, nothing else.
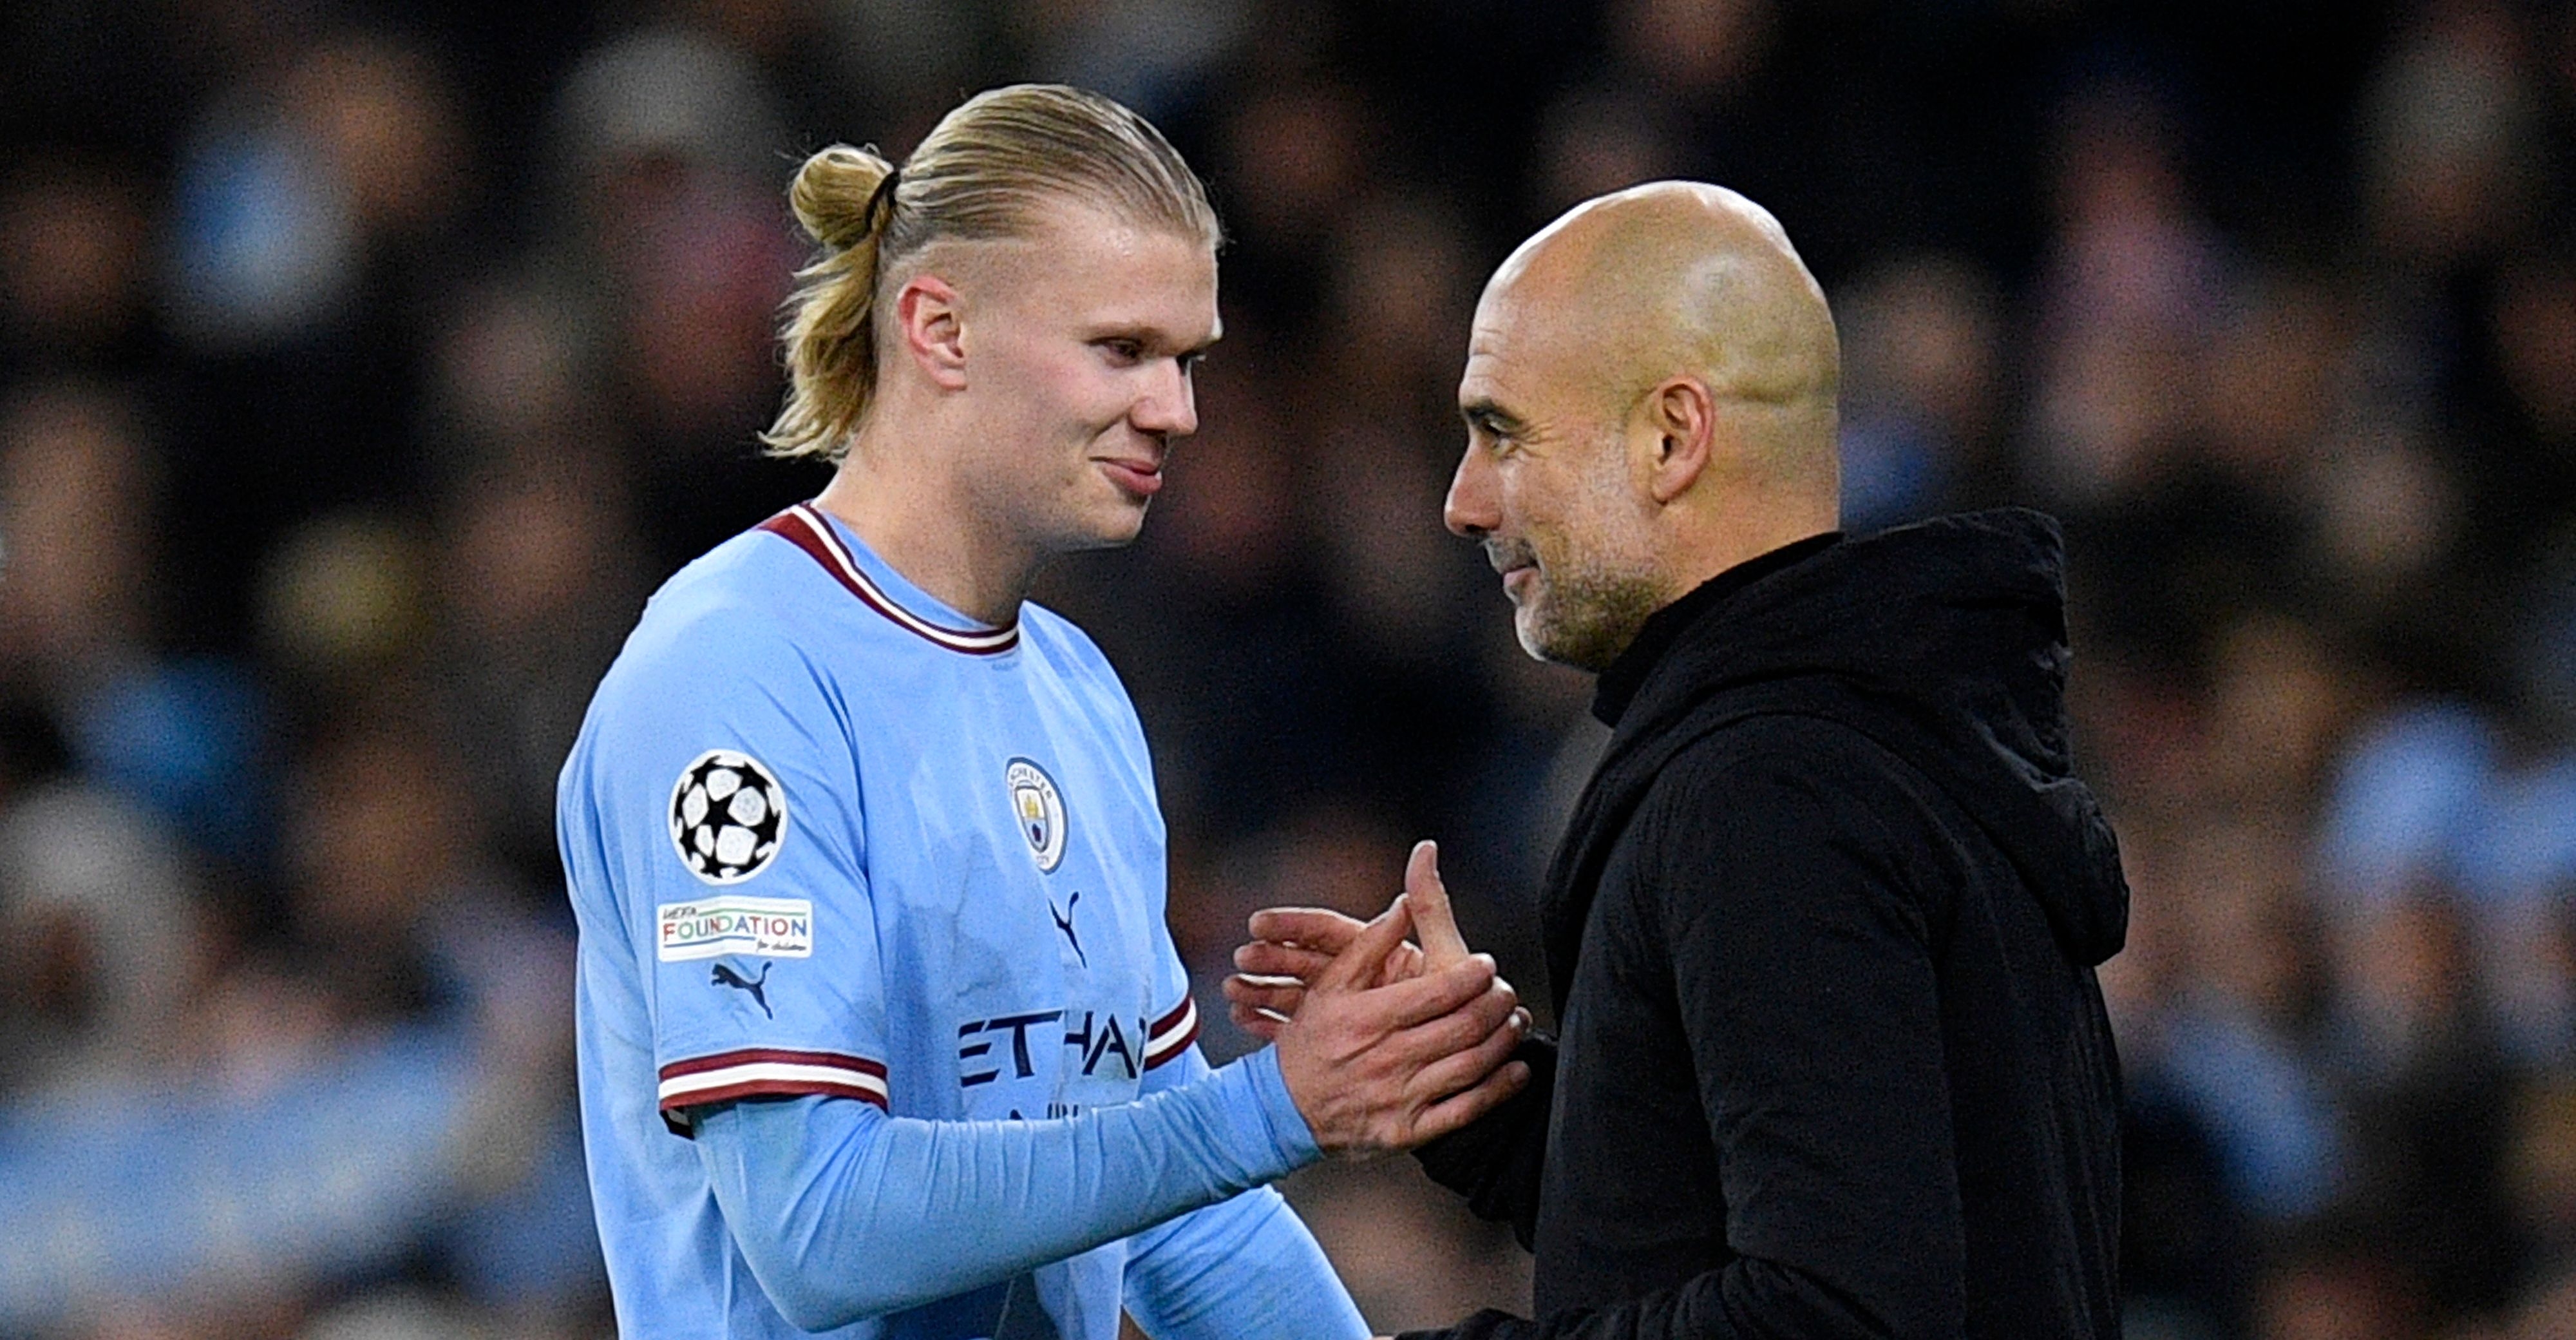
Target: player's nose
(1169, 407)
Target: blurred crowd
(363, 365)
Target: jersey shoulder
(1064, 645)
(747, 612)
(736, 636)
(1077, 662)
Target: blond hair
(980, 174)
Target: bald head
(1684, 279)
(1649, 395)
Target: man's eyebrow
(1485, 414)
(1155, 337)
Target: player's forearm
(845, 1213)
(1243, 1269)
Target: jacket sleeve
(1494, 1161)
(1802, 966)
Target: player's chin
(1530, 624)
(1111, 525)
(1530, 613)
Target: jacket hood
(1946, 642)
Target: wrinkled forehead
(1530, 346)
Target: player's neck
(915, 522)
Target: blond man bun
(830, 340)
(981, 174)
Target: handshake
(1384, 1044)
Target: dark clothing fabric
(1618, 685)
(1821, 936)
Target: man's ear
(931, 329)
(1681, 416)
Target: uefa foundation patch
(728, 816)
(735, 923)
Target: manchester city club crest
(1039, 807)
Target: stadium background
(362, 366)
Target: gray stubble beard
(1597, 601)
(1594, 614)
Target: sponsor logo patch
(728, 816)
(735, 923)
(1040, 809)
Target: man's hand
(1378, 1062)
(1290, 945)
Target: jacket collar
(1619, 684)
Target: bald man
(1822, 931)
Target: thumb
(1442, 945)
(1360, 961)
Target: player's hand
(1290, 945)
(1376, 1065)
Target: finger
(1450, 1113)
(1280, 998)
(1313, 927)
(1362, 959)
(1402, 965)
(1460, 1070)
(1259, 1023)
(1459, 1029)
(1434, 994)
(1441, 943)
(1263, 958)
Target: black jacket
(1821, 934)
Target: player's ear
(928, 327)
(1681, 420)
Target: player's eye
(1123, 351)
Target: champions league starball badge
(1040, 810)
(728, 816)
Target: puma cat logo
(726, 976)
(1064, 923)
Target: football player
(881, 1032)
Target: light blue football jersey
(825, 835)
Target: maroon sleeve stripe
(766, 1072)
(1172, 1034)
(773, 1055)
(775, 1088)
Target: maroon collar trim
(805, 528)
